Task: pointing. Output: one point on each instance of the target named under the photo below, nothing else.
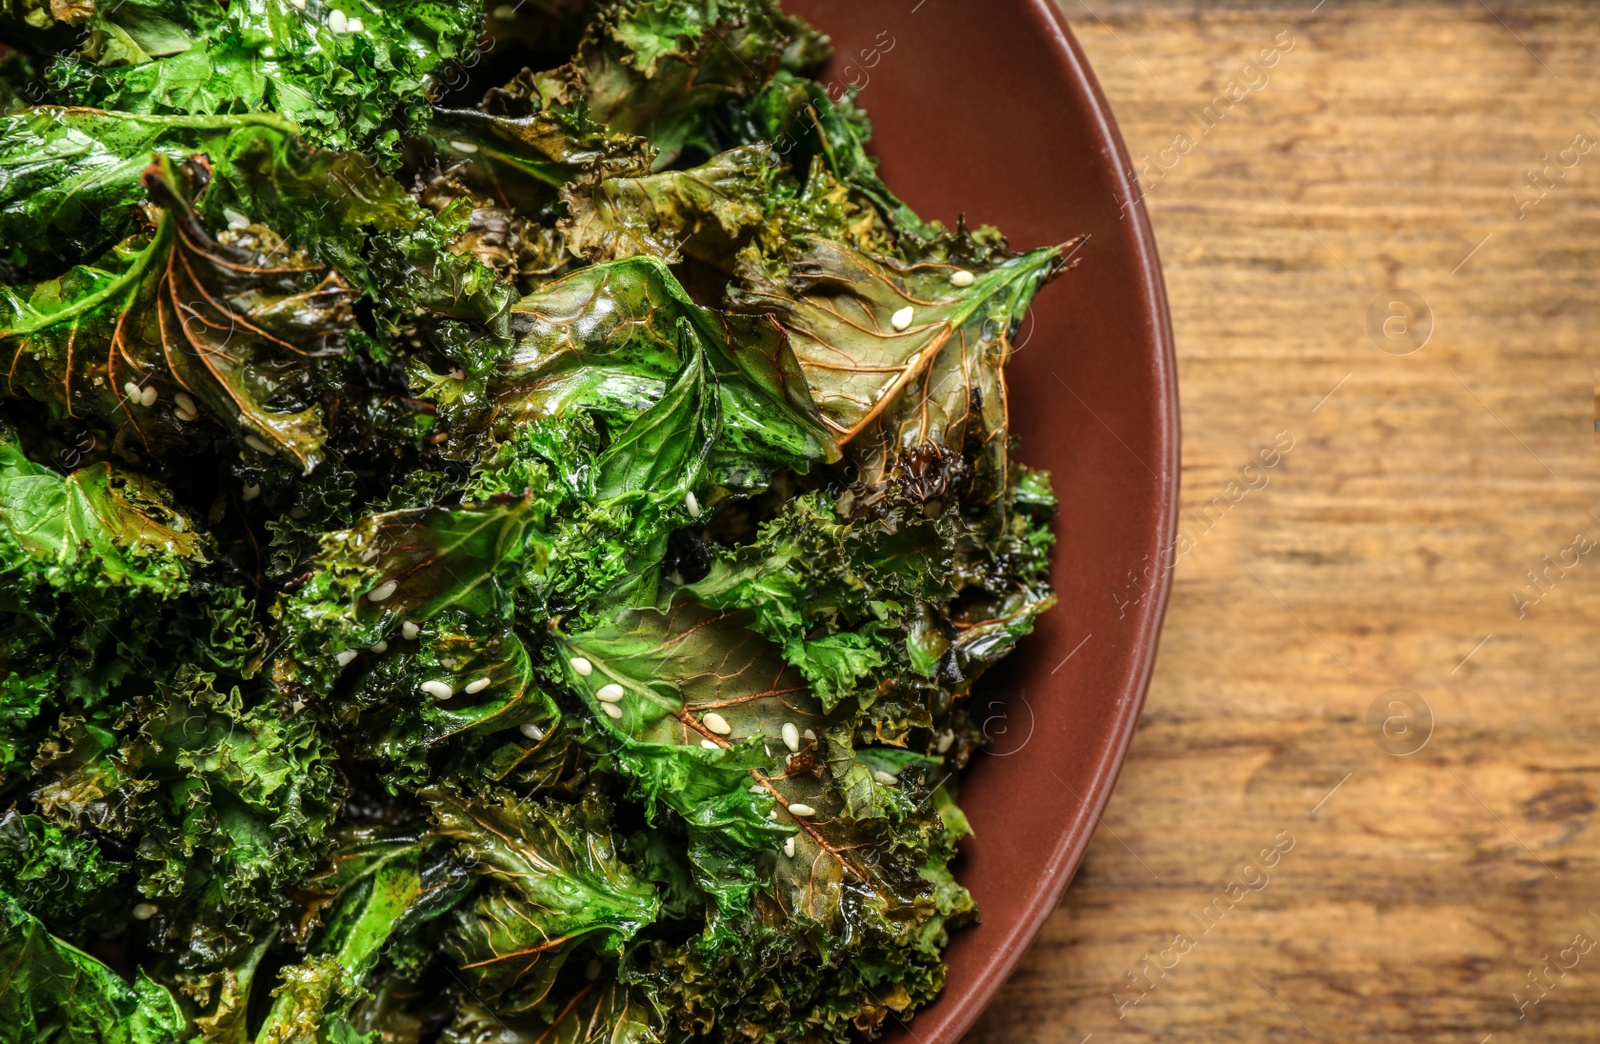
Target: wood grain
(1389, 549)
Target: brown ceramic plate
(990, 109)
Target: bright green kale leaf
(64, 879)
(50, 991)
(99, 526)
(175, 328)
(356, 73)
(611, 338)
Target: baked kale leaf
(502, 515)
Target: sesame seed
(757, 788)
(439, 690)
(505, 12)
(337, 21)
(135, 394)
(252, 491)
(298, 512)
(149, 396)
(709, 744)
(476, 686)
(797, 809)
(610, 692)
(810, 735)
(345, 657)
(383, 592)
(185, 402)
(448, 661)
(945, 739)
(356, 26)
(773, 815)
(236, 221)
(185, 415)
(887, 779)
(369, 556)
(378, 647)
(692, 504)
(791, 736)
(464, 146)
(532, 731)
(409, 631)
(612, 710)
(961, 277)
(582, 666)
(901, 319)
(259, 446)
(788, 846)
(145, 911)
(300, 5)
(717, 723)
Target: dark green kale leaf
(175, 328)
(551, 887)
(899, 356)
(228, 805)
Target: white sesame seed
(259, 446)
(757, 788)
(945, 739)
(610, 692)
(582, 666)
(185, 403)
(476, 686)
(149, 396)
(337, 21)
(236, 221)
(887, 779)
(449, 662)
(791, 736)
(378, 647)
(901, 319)
(439, 690)
(383, 592)
(356, 26)
(369, 555)
(612, 710)
(464, 146)
(709, 744)
(717, 723)
(797, 809)
(185, 416)
(810, 735)
(961, 277)
(788, 846)
(133, 390)
(252, 491)
(409, 631)
(773, 815)
(345, 657)
(145, 911)
(532, 731)
(692, 504)
(299, 4)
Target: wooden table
(1393, 547)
